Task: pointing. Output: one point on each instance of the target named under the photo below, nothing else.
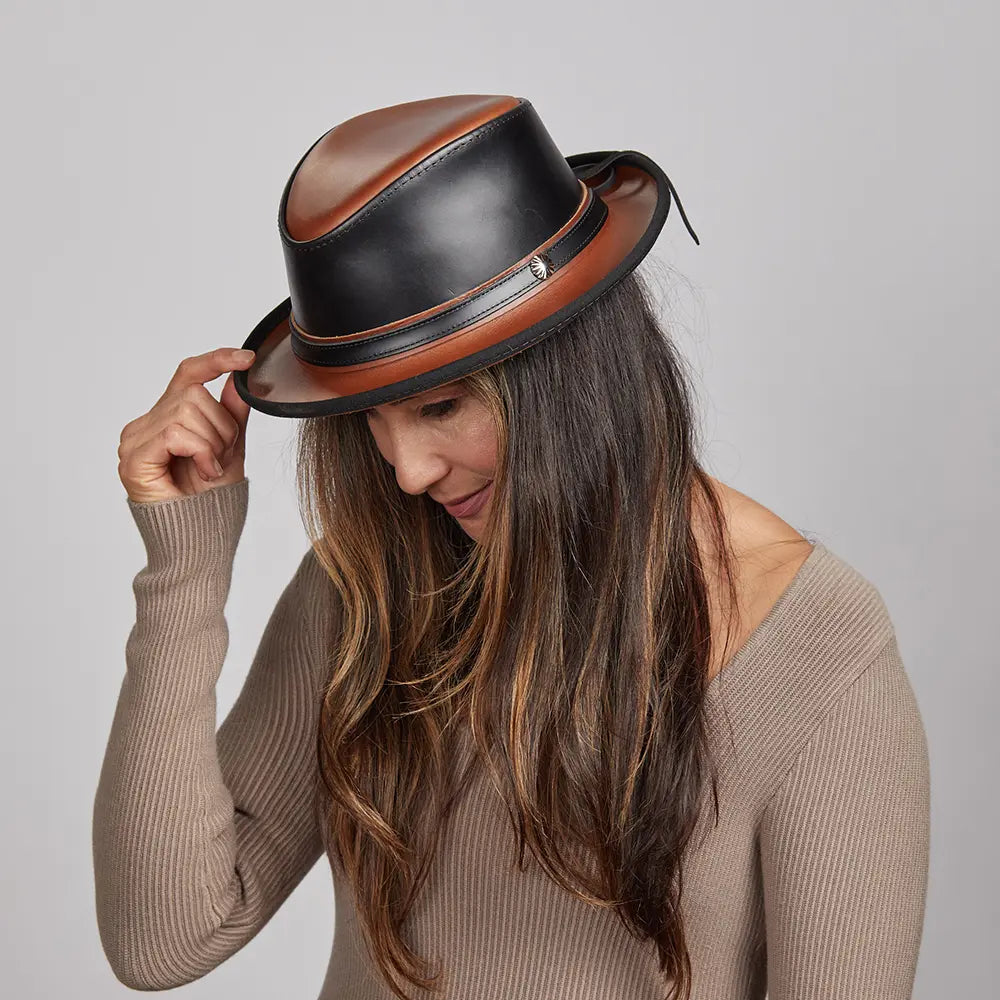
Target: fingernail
(243, 355)
(218, 468)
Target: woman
(568, 716)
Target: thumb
(235, 403)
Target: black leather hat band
(336, 353)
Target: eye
(440, 409)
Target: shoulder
(771, 555)
(810, 664)
(768, 554)
(831, 618)
(765, 543)
(816, 624)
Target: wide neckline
(765, 627)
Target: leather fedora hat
(428, 240)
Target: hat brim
(280, 384)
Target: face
(441, 442)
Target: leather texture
(460, 216)
(459, 312)
(433, 238)
(354, 161)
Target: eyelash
(448, 403)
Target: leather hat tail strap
(608, 159)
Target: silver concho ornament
(541, 266)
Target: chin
(472, 530)
(474, 526)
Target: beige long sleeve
(811, 887)
(198, 835)
(844, 847)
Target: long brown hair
(581, 611)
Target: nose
(417, 465)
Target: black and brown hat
(431, 239)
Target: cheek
(479, 445)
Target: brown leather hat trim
(381, 145)
(443, 307)
(278, 376)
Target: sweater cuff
(193, 531)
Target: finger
(237, 407)
(175, 440)
(202, 368)
(189, 414)
(221, 419)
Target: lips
(458, 500)
(471, 504)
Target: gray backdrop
(839, 164)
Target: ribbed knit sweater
(811, 886)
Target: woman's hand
(188, 442)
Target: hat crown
(355, 160)
(404, 209)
